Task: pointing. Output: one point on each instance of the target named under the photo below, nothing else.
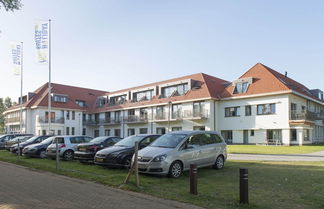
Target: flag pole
(49, 78)
(21, 84)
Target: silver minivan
(172, 153)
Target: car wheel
(68, 155)
(219, 163)
(175, 170)
(127, 162)
(42, 154)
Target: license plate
(141, 166)
(99, 159)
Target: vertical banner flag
(41, 40)
(16, 53)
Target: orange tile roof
(267, 80)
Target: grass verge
(272, 184)
(258, 149)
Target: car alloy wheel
(127, 162)
(68, 155)
(175, 169)
(219, 164)
(42, 154)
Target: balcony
(53, 120)
(91, 122)
(136, 119)
(306, 117)
(176, 116)
(12, 120)
(195, 115)
(161, 117)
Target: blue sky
(110, 45)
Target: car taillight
(62, 146)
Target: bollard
(244, 187)
(193, 179)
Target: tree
(10, 5)
(2, 109)
(7, 102)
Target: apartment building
(260, 106)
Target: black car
(33, 140)
(87, 151)
(122, 152)
(7, 137)
(39, 149)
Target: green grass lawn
(272, 184)
(259, 149)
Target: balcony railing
(161, 117)
(12, 120)
(195, 114)
(307, 115)
(178, 115)
(136, 119)
(53, 120)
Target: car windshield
(32, 139)
(98, 139)
(129, 141)
(168, 140)
(48, 140)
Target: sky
(112, 44)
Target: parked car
(172, 153)
(32, 140)
(7, 137)
(87, 151)
(18, 139)
(67, 146)
(39, 149)
(121, 153)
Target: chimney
(286, 73)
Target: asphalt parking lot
(22, 188)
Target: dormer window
(241, 88)
(101, 101)
(60, 98)
(241, 85)
(176, 90)
(143, 95)
(81, 103)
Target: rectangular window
(59, 132)
(73, 131)
(198, 109)
(131, 112)
(84, 131)
(107, 117)
(67, 130)
(107, 132)
(266, 109)
(160, 115)
(68, 115)
(143, 114)
(228, 136)
(232, 111)
(252, 133)
(176, 128)
(199, 128)
(52, 117)
(130, 132)
(59, 98)
(96, 133)
(117, 132)
(43, 132)
(248, 110)
(176, 111)
(274, 135)
(117, 116)
(143, 131)
(306, 135)
(81, 103)
(143, 96)
(293, 135)
(73, 115)
(160, 131)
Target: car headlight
(159, 158)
